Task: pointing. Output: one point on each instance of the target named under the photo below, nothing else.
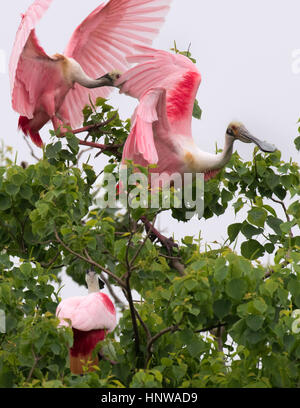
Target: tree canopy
(223, 315)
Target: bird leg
(168, 243)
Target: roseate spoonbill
(91, 317)
(166, 85)
(57, 88)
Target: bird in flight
(57, 87)
(166, 85)
(91, 318)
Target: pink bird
(91, 317)
(166, 85)
(57, 88)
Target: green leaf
(275, 223)
(52, 150)
(287, 226)
(249, 230)
(233, 231)
(236, 288)
(255, 322)
(252, 249)
(297, 143)
(197, 112)
(12, 189)
(5, 202)
(269, 247)
(221, 308)
(73, 142)
(257, 216)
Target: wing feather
(140, 146)
(106, 37)
(31, 69)
(175, 73)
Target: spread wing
(149, 123)
(31, 70)
(173, 72)
(103, 40)
(29, 65)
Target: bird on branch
(91, 318)
(57, 87)
(166, 85)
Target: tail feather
(81, 353)
(82, 363)
(25, 127)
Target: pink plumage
(91, 318)
(55, 88)
(166, 85)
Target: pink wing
(173, 72)
(103, 40)
(28, 62)
(92, 312)
(140, 146)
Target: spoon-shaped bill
(247, 137)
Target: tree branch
(90, 261)
(168, 243)
(89, 128)
(129, 297)
(153, 339)
(36, 360)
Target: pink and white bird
(166, 85)
(91, 318)
(58, 87)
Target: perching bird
(91, 317)
(57, 88)
(166, 85)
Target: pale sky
(245, 51)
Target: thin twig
(89, 128)
(283, 206)
(208, 329)
(129, 296)
(166, 242)
(90, 261)
(153, 339)
(31, 149)
(51, 262)
(102, 147)
(36, 360)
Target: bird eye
(230, 132)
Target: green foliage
(225, 321)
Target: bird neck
(93, 286)
(224, 157)
(203, 162)
(88, 82)
(77, 74)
